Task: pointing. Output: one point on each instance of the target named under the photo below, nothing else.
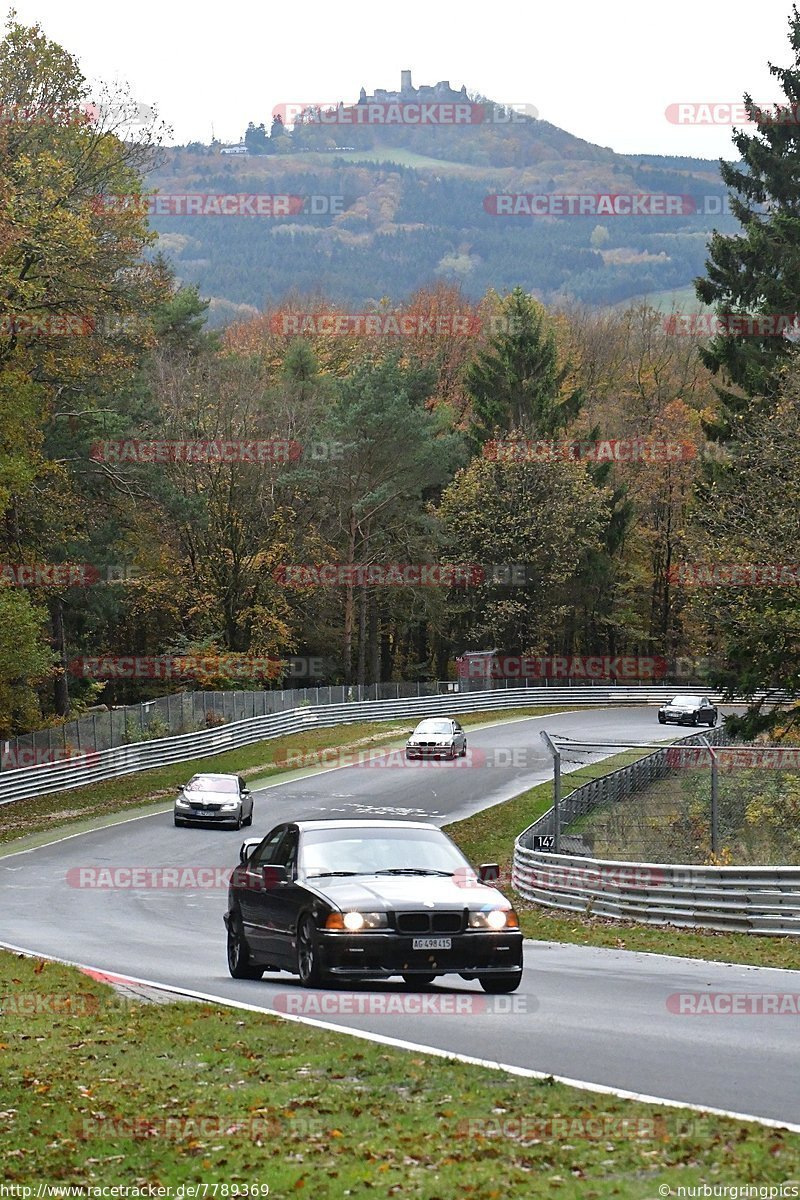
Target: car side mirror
(247, 848)
(488, 872)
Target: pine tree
(758, 270)
(515, 383)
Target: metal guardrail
(763, 900)
(95, 766)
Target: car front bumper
(379, 955)
(430, 752)
(209, 818)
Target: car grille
(429, 922)
(206, 807)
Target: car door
(246, 799)
(286, 900)
(460, 736)
(253, 897)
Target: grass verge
(489, 837)
(263, 762)
(103, 1091)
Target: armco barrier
(763, 900)
(124, 760)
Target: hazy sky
(604, 71)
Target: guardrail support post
(556, 753)
(714, 796)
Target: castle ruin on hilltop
(408, 93)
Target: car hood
(384, 893)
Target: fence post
(556, 753)
(714, 796)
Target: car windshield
(210, 783)
(685, 700)
(434, 727)
(368, 851)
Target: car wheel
(239, 821)
(308, 965)
(501, 983)
(419, 980)
(713, 721)
(451, 753)
(694, 719)
(249, 820)
(239, 964)
(662, 720)
(464, 751)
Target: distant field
(676, 299)
(390, 154)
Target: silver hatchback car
(217, 799)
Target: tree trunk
(373, 639)
(349, 608)
(61, 684)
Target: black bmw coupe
(367, 900)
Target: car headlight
(182, 802)
(229, 804)
(494, 918)
(445, 742)
(357, 922)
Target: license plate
(432, 944)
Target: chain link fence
(188, 712)
(693, 803)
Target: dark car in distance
(688, 710)
(359, 899)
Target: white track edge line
(402, 1044)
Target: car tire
(713, 721)
(239, 964)
(695, 719)
(418, 980)
(249, 820)
(662, 720)
(451, 753)
(496, 984)
(308, 964)
(464, 751)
